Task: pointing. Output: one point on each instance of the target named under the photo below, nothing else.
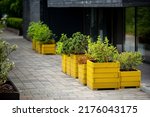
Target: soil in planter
(128, 70)
(7, 88)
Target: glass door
(129, 43)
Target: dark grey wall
(97, 3)
(65, 20)
(31, 12)
(127, 3)
(84, 3)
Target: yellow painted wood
(103, 75)
(103, 65)
(104, 80)
(38, 46)
(48, 48)
(74, 65)
(82, 73)
(64, 64)
(103, 85)
(33, 44)
(129, 84)
(130, 78)
(68, 66)
(102, 70)
(130, 73)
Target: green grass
(130, 29)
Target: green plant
(12, 7)
(130, 60)
(78, 43)
(41, 32)
(101, 51)
(5, 64)
(32, 29)
(61, 47)
(15, 23)
(66, 47)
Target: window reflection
(129, 44)
(143, 31)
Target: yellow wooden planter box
(130, 78)
(33, 44)
(74, 65)
(48, 48)
(38, 46)
(103, 75)
(68, 65)
(82, 73)
(64, 65)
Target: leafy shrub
(32, 28)
(101, 51)
(62, 45)
(78, 44)
(130, 60)
(66, 46)
(15, 23)
(40, 32)
(5, 64)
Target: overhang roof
(97, 3)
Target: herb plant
(78, 43)
(130, 60)
(5, 64)
(61, 48)
(40, 32)
(101, 51)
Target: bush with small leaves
(130, 60)
(100, 51)
(5, 63)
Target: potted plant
(78, 47)
(8, 91)
(102, 68)
(61, 50)
(45, 38)
(82, 63)
(66, 54)
(130, 76)
(33, 26)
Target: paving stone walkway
(39, 77)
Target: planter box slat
(48, 48)
(64, 69)
(104, 80)
(68, 65)
(109, 85)
(103, 65)
(74, 65)
(131, 79)
(103, 75)
(102, 70)
(131, 73)
(82, 73)
(33, 44)
(130, 84)
(38, 46)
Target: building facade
(120, 20)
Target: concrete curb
(145, 89)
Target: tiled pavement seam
(39, 77)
